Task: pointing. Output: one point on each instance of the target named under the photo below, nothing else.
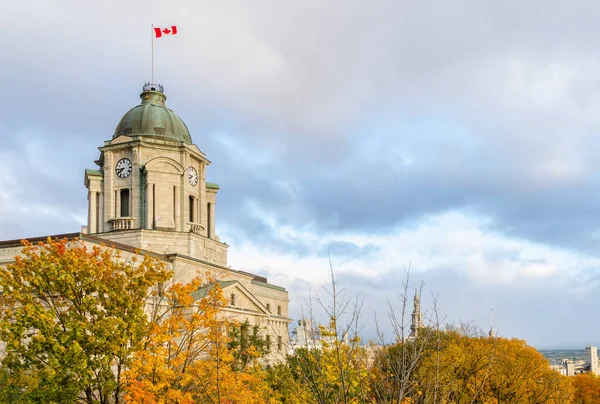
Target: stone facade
(149, 194)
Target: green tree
(71, 317)
(287, 386)
(247, 344)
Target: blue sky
(460, 138)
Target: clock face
(192, 176)
(123, 168)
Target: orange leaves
(586, 389)
(186, 357)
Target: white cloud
(461, 138)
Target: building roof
(91, 171)
(267, 285)
(201, 292)
(153, 119)
(255, 279)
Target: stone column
(91, 212)
(149, 206)
(177, 208)
(100, 217)
(117, 203)
(211, 222)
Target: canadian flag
(172, 30)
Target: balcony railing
(121, 223)
(196, 228)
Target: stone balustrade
(121, 223)
(196, 228)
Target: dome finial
(153, 93)
(153, 87)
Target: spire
(491, 333)
(417, 320)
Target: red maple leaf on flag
(159, 32)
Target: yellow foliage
(186, 357)
(491, 371)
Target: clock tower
(149, 195)
(149, 190)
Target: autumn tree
(395, 377)
(187, 356)
(247, 343)
(337, 372)
(332, 368)
(586, 389)
(480, 369)
(287, 387)
(71, 317)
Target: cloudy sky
(460, 137)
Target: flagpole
(152, 40)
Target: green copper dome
(153, 119)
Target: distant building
(304, 335)
(592, 359)
(308, 335)
(570, 367)
(417, 318)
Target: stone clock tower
(150, 190)
(149, 195)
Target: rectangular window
(268, 342)
(279, 343)
(233, 299)
(279, 310)
(153, 205)
(97, 212)
(125, 202)
(209, 220)
(269, 307)
(192, 216)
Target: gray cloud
(366, 118)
